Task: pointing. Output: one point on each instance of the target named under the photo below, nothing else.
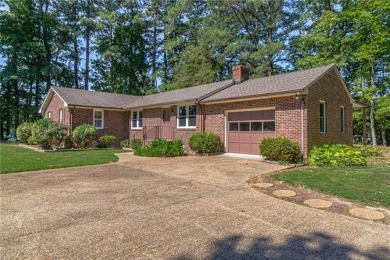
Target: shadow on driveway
(314, 246)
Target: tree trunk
(372, 107)
(75, 47)
(383, 133)
(87, 44)
(76, 63)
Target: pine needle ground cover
(368, 184)
(14, 158)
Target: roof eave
(161, 104)
(261, 96)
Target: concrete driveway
(176, 208)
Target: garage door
(246, 129)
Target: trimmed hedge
(205, 143)
(47, 133)
(84, 136)
(23, 132)
(280, 149)
(337, 155)
(106, 141)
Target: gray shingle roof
(178, 96)
(288, 82)
(217, 91)
(80, 97)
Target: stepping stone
(317, 203)
(366, 213)
(284, 193)
(263, 185)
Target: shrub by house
(280, 149)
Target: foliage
(19, 159)
(47, 133)
(125, 143)
(31, 141)
(84, 136)
(354, 35)
(151, 46)
(280, 149)
(23, 132)
(160, 148)
(136, 144)
(369, 151)
(367, 184)
(106, 140)
(331, 155)
(205, 143)
(56, 134)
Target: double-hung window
(136, 119)
(342, 119)
(98, 119)
(186, 116)
(322, 117)
(61, 115)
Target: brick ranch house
(311, 107)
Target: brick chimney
(240, 73)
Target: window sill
(136, 128)
(186, 127)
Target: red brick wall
(54, 106)
(287, 116)
(154, 117)
(115, 122)
(330, 90)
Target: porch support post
(364, 126)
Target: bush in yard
(368, 150)
(205, 143)
(125, 143)
(84, 136)
(280, 149)
(160, 148)
(38, 132)
(47, 133)
(56, 134)
(336, 155)
(136, 145)
(106, 141)
(23, 132)
(31, 140)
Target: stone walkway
(355, 211)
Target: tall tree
(121, 66)
(252, 32)
(355, 35)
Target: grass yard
(14, 158)
(367, 184)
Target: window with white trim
(98, 118)
(49, 115)
(342, 119)
(61, 115)
(186, 116)
(322, 117)
(136, 119)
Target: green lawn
(14, 158)
(368, 184)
